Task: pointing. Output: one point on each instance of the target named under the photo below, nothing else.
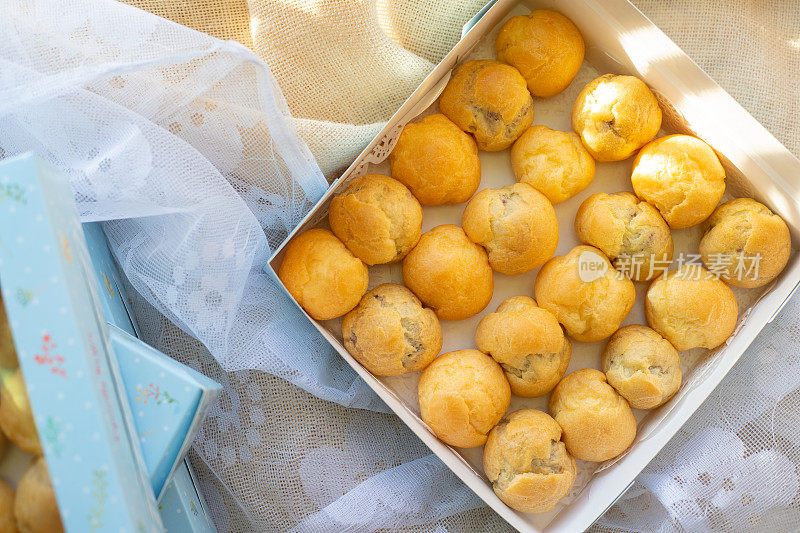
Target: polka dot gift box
(84, 425)
(147, 407)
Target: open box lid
(62, 342)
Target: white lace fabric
(184, 145)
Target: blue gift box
(62, 341)
(169, 400)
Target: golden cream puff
(449, 273)
(490, 100)
(526, 462)
(681, 176)
(390, 333)
(585, 293)
(437, 161)
(529, 344)
(462, 396)
(545, 46)
(325, 278)
(516, 225)
(745, 243)
(615, 116)
(597, 422)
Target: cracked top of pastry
(516, 225)
(529, 344)
(490, 100)
(642, 366)
(746, 243)
(630, 232)
(681, 176)
(526, 462)
(462, 396)
(615, 115)
(390, 333)
(377, 218)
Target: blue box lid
(169, 401)
(62, 342)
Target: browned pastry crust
(526, 462)
(630, 232)
(553, 162)
(490, 100)
(35, 505)
(390, 333)
(745, 243)
(591, 308)
(16, 417)
(691, 308)
(681, 176)
(545, 46)
(529, 344)
(642, 365)
(462, 396)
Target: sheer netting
(183, 144)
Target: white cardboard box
(619, 39)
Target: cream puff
(529, 344)
(615, 116)
(526, 462)
(16, 416)
(585, 293)
(553, 162)
(545, 46)
(449, 273)
(35, 506)
(630, 232)
(462, 396)
(437, 161)
(642, 366)
(490, 100)
(516, 225)
(325, 278)
(377, 218)
(745, 243)
(597, 422)
(691, 308)
(390, 333)
(681, 176)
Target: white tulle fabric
(184, 146)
